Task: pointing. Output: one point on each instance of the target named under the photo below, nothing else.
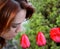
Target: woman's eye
(14, 26)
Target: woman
(12, 14)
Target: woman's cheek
(9, 35)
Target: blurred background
(46, 16)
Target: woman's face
(15, 25)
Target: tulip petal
(24, 41)
(55, 34)
(40, 39)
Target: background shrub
(46, 16)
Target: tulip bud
(40, 39)
(24, 41)
(55, 34)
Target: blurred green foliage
(46, 16)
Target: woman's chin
(9, 38)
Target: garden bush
(46, 16)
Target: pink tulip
(40, 39)
(24, 41)
(55, 34)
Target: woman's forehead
(20, 17)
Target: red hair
(2, 3)
(7, 14)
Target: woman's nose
(18, 29)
